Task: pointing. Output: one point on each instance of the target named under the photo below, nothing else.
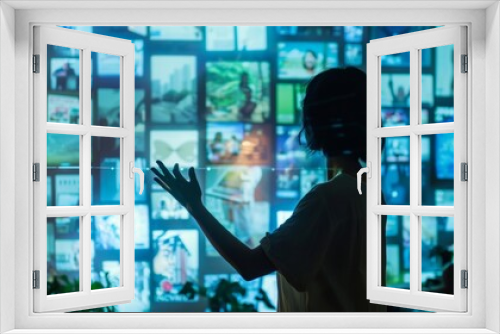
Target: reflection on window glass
(396, 272)
(63, 164)
(63, 94)
(105, 170)
(445, 71)
(395, 89)
(108, 107)
(395, 171)
(437, 169)
(63, 255)
(440, 107)
(107, 112)
(105, 231)
(437, 254)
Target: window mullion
(85, 167)
(414, 170)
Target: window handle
(367, 170)
(139, 171)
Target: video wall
(226, 100)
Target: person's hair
(334, 113)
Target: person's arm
(249, 263)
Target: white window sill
(249, 331)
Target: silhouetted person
(248, 108)
(63, 75)
(320, 251)
(400, 98)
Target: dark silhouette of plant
(226, 296)
(62, 284)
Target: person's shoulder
(341, 184)
(340, 188)
(339, 191)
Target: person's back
(326, 237)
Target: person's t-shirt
(320, 251)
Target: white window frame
(86, 43)
(483, 315)
(414, 296)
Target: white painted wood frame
(87, 43)
(414, 43)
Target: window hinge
(36, 63)
(36, 279)
(465, 279)
(465, 64)
(464, 171)
(36, 172)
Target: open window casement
(96, 145)
(411, 239)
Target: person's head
(334, 113)
(310, 60)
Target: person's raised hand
(188, 193)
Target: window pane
(395, 171)
(105, 170)
(63, 165)
(437, 254)
(105, 89)
(396, 269)
(106, 235)
(395, 89)
(437, 169)
(63, 255)
(441, 110)
(63, 84)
